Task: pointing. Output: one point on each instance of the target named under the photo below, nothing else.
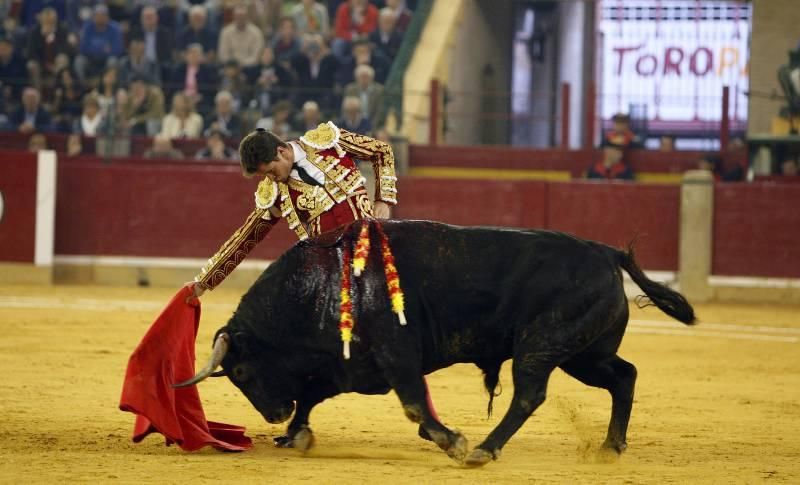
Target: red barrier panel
(756, 230)
(614, 213)
(149, 209)
(473, 202)
(17, 206)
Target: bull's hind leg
(618, 377)
(530, 373)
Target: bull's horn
(217, 354)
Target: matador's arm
(239, 245)
(382, 158)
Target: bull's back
(473, 284)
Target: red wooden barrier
(756, 230)
(17, 206)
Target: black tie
(304, 176)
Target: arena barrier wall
(27, 201)
(156, 222)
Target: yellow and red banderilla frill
(359, 263)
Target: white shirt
(89, 126)
(301, 160)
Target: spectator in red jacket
(612, 166)
(355, 20)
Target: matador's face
(279, 169)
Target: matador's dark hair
(260, 146)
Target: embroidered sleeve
(235, 249)
(382, 158)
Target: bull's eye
(241, 373)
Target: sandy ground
(717, 404)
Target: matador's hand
(381, 210)
(197, 292)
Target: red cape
(165, 357)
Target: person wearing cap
(612, 166)
(216, 149)
(101, 44)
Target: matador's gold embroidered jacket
(310, 209)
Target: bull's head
(260, 373)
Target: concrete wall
(479, 60)
(775, 31)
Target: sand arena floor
(717, 404)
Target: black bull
(473, 295)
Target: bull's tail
(666, 299)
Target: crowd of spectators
(186, 69)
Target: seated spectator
(31, 117)
(235, 82)
(402, 14)
(74, 145)
(241, 40)
(224, 119)
(37, 142)
(278, 123)
(789, 167)
(286, 43)
(621, 134)
(309, 118)
(50, 48)
(67, 101)
(91, 118)
(311, 17)
(162, 148)
(136, 64)
(612, 166)
(316, 72)
(158, 41)
(115, 121)
(195, 78)
(722, 173)
(100, 46)
(369, 92)
(216, 149)
(13, 75)
(355, 20)
(385, 38)
(266, 14)
(353, 118)
(666, 143)
(182, 121)
(362, 53)
(107, 90)
(271, 81)
(145, 107)
(199, 32)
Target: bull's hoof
(458, 448)
(617, 447)
(479, 457)
(283, 441)
(303, 440)
(423, 433)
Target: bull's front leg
(299, 435)
(412, 391)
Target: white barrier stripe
(729, 327)
(45, 208)
(700, 333)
